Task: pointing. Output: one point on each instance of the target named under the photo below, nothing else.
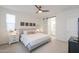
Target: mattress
(34, 40)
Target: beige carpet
(55, 46)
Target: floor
(55, 46)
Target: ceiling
(30, 10)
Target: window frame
(9, 22)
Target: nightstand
(73, 45)
(13, 38)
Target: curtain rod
(48, 17)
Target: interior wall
(61, 26)
(66, 25)
(45, 26)
(19, 17)
(3, 30)
(24, 18)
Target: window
(10, 21)
(52, 25)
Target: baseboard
(63, 40)
(4, 44)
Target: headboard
(28, 30)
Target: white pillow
(24, 32)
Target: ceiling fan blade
(36, 12)
(45, 10)
(38, 7)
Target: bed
(32, 41)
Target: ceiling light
(39, 11)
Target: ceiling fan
(40, 10)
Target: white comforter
(34, 40)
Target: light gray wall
(3, 31)
(67, 24)
(19, 17)
(45, 26)
(61, 26)
(24, 18)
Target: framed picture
(26, 24)
(30, 24)
(34, 24)
(21, 23)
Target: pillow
(24, 32)
(31, 32)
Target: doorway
(52, 26)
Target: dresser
(13, 37)
(73, 45)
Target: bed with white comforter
(34, 40)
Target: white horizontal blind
(10, 21)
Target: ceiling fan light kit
(39, 11)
